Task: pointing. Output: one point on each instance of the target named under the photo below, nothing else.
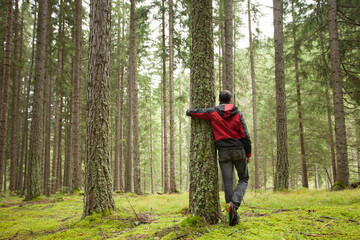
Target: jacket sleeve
(201, 113)
(246, 141)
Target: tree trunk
(296, 45)
(14, 105)
(282, 163)
(253, 86)
(59, 150)
(222, 41)
(151, 150)
(5, 90)
(327, 97)
(131, 76)
(98, 195)
(68, 168)
(20, 169)
(55, 145)
(171, 96)
(180, 142)
(204, 189)
(340, 129)
(36, 141)
(166, 171)
(228, 77)
(76, 108)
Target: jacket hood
(226, 110)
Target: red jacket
(228, 125)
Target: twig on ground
(315, 235)
(326, 224)
(14, 237)
(234, 232)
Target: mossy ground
(301, 214)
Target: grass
(300, 214)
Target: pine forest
(93, 102)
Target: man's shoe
(236, 220)
(231, 212)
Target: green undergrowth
(301, 214)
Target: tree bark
(282, 163)
(296, 46)
(204, 189)
(55, 145)
(98, 195)
(253, 87)
(14, 104)
(228, 77)
(171, 98)
(5, 90)
(59, 151)
(340, 129)
(36, 141)
(76, 108)
(131, 73)
(166, 170)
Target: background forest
(149, 135)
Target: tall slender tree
(253, 87)
(282, 163)
(14, 104)
(337, 86)
(204, 189)
(76, 108)
(166, 170)
(5, 90)
(171, 98)
(98, 195)
(296, 46)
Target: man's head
(225, 96)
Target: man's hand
(248, 160)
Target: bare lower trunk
(228, 78)
(282, 163)
(5, 90)
(340, 129)
(36, 141)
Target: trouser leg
(227, 175)
(243, 174)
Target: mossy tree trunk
(98, 181)
(204, 189)
(282, 163)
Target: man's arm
(246, 141)
(201, 113)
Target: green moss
(339, 185)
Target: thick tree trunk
(76, 108)
(340, 129)
(282, 163)
(166, 171)
(222, 41)
(204, 189)
(5, 90)
(98, 195)
(253, 86)
(171, 98)
(36, 141)
(304, 175)
(14, 105)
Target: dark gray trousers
(227, 160)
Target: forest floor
(296, 214)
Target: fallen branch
(326, 224)
(315, 235)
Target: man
(233, 142)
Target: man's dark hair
(225, 96)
